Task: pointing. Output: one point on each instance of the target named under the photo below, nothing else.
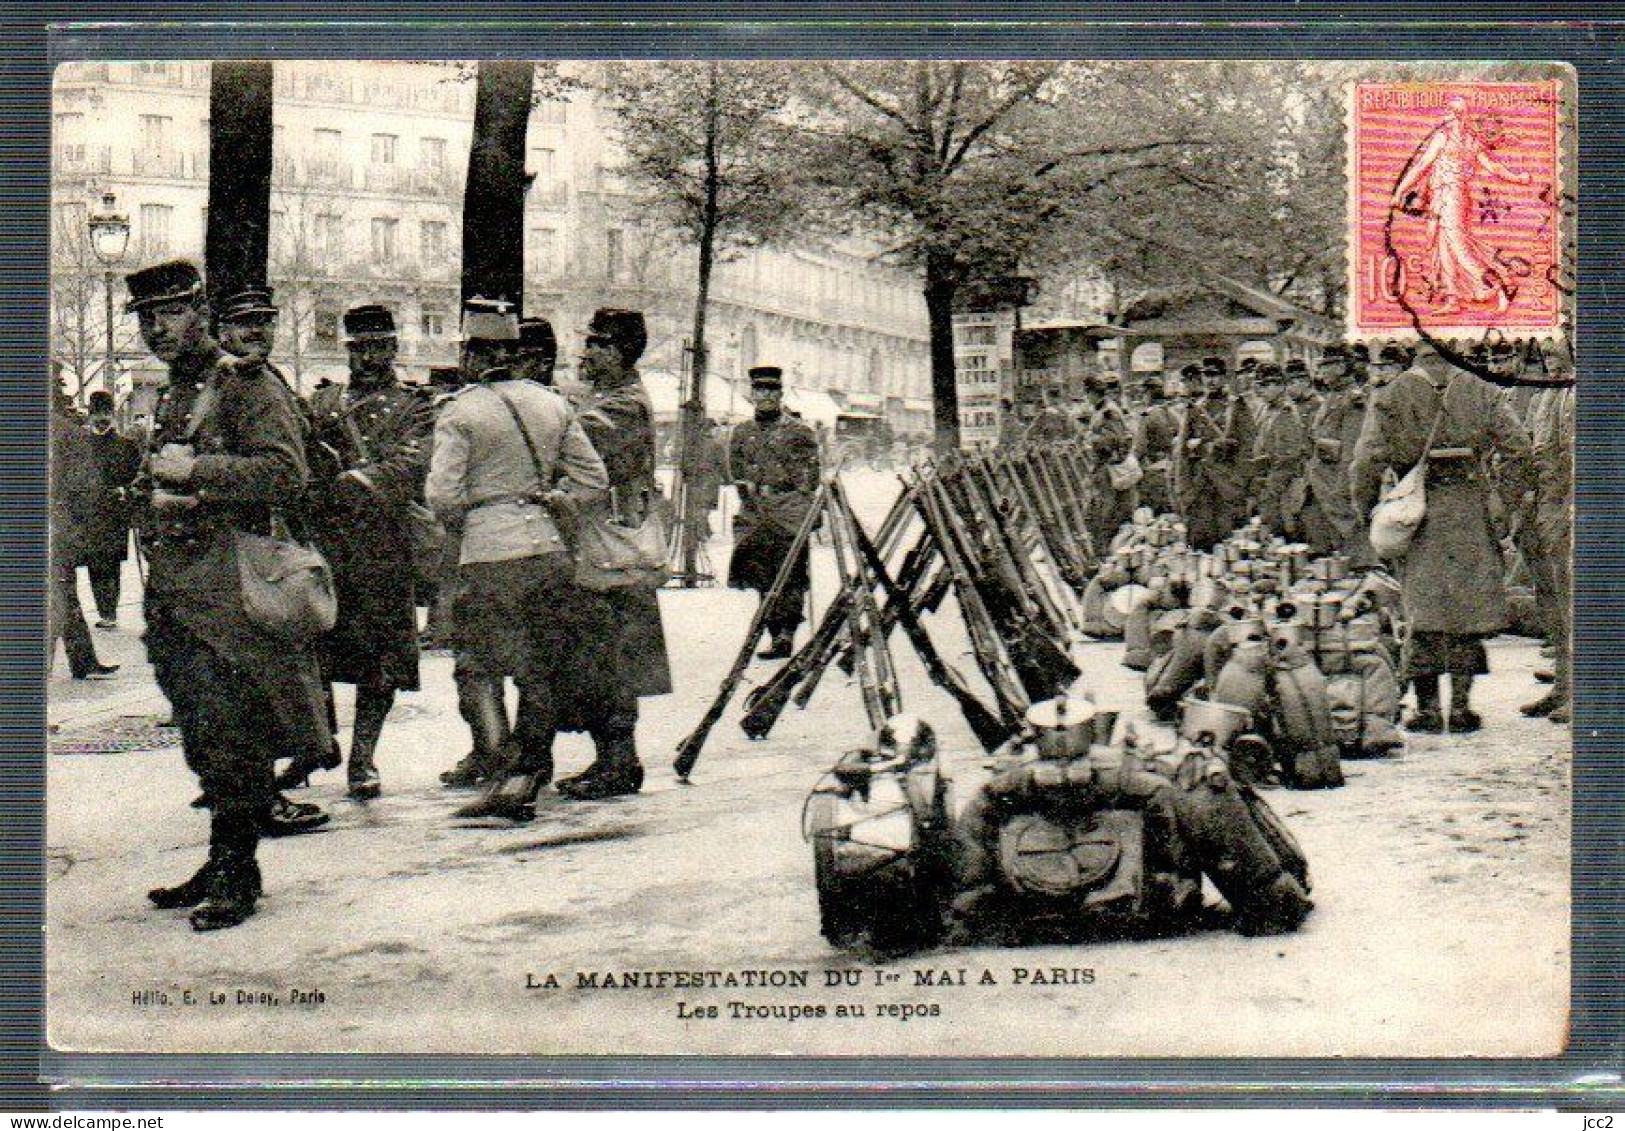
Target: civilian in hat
(373, 435)
(511, 462)
(76, 493)
(1452, 576)
(538, 351)
(773, 458)
(620, 656)
(227, 450)
(107, 539)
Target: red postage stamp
(1455, 209)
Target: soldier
(372, 435)
(227, 452)
(247, 323)
(1113, 493)
(1211, 485)
(510, 462)
(538, 352)
(1452, 575)
(117, 459)
(1552, 416)
(1329, 521)
(619, 654)
(1283, 445)
(774, 460)
(1155, 434)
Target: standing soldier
(1452, 576)
(1552, 414)
(510, 463)
(1283, 445)
(619, 650)
(1212, 486)
(117, 459)
(1114, 493)
(538, 352)
(774, 460)
(1330, 523)
(227, 453)
(1155, 434)
(374, 434)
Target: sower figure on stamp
(1452, 576)
(619, 654)
(773, 459)
(510, 463)
(227, 453)
(373, 438)
(107, 542)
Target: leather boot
(781, 645)
(187, 893)
(480, 701)
(371, 708)
(291, 818)
(234, 882)
(620, 774)
(296, 774)
(512, 794)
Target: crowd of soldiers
(474, 495)
(1307, 451)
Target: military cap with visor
(177, 280)
(371, 321)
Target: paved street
(1440, 882)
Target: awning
(862, 404)
(813, 405)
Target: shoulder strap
(1438, 420)
(203, 405)
(524, 434)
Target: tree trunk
(236, 245)
(941, 283)
(494, 199)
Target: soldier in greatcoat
(1113, 493)
(227, 453)
(1330, 523)
(1156, 431)
(773, 458)
(1453, 575)
(1283, 445)
(511, 466)
(372, 436)
(620, 655)
(1211, 483)
(1552, 421)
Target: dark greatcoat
(1211, 488)
(622, 654)
(384, 436)
(1156, 433)
(118, 459)
(776, 465)
(1109, 440)
(1283, 445)
(76, 490)
(1330, 522)
(1452, 577)
(242, 697)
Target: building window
(434, 324)
(330, 237)
(541, 249)
(383, 149)
(154, 132)
(155, 230)
(542, 164)
(383, 239)
(551, 111)
(613, 252)
(327, 144)
(432, 246)
(432, 153)
(325, 326)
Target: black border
(1587, 1076)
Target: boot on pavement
(234, 882)
(616, 773)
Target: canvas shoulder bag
(1399, 512)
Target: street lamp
(109, 238)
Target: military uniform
(1211, 488)
(1331, 525)
(241, 696)
(1111, 441)
(1453, 575)
(107, 541)
(1278, 457)
(1552, 423)
(1155, 434)
(374, 446)
(775, 463)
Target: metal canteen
(1199, 718)
(1062, 727)
(1324, 610)
(1330, 569)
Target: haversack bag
(1399, 512)
(613, 555)
(1126, 474)
(287, 586)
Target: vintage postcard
(910, 558)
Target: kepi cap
(368, 322)
(173, 281)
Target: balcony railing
(158, 163)
(549, 194)
(81, 159)
(439, 181)
(388, 178)
(328, 173)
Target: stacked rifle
(1002, 533)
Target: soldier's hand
(173, 463)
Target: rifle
(688, 751)
(877, 679)
(990, 731)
